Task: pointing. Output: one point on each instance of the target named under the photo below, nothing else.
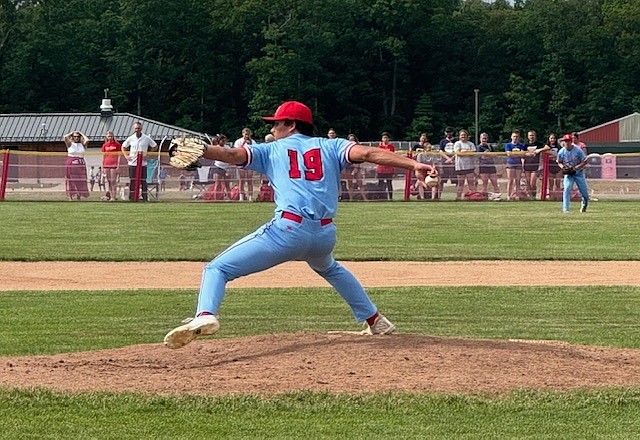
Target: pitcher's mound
(334, 363)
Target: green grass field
(37, 231)
(53, 322)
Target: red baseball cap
(292, 110)
(567, 137)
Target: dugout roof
(21, 128)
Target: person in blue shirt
(304, 172)
(515, 153)
(572, 157)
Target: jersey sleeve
(343, 147)
(257, 157)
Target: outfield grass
(53, 322)
(64, 321)
(537, 415)
(366, 231)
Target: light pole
(475, 92)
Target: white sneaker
(199, 326)
(382, 326)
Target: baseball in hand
(432, 180)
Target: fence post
(545, 176)
(136, 193)
(5, 175)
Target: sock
(204, 313)
(372, 319)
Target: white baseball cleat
(199, 326)
(381, 326)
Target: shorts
(386, 175)
(488, 169)
(554, 168)
(465, 172)
(531, 166)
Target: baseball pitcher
(304, 172)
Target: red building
(621, 135)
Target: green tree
(423, 117)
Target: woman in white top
(76, 168)
(465, 163)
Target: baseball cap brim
(293, 111)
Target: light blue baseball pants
(276, 242)
(581, 183)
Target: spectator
(555, 174)
(331, 134)
(111, 149)
(425, 155)
(221, 179)
(92, 178)
(183, 185)
(355, 180)
(487, 168)
(465, 163)
(138, 142)
(101, 177)
(386, 172)
(447, 161)
(533, 147)
(245, 176)
(572, 156)
(76, 167)
(162, 178)
(515, 151)
(575, 139)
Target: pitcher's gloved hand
(185, 153)
(570, 171)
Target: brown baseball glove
(185, 153)
(570, 171)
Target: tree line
(363, 66)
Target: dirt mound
(334, 363)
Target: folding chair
(153, 183)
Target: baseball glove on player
(570, 171)
(185, 153)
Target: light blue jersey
(572, 158)
(304, 172)
(305, 175)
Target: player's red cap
(292, 110)
(567, 137)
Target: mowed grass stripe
(524, 414)
(64, 321)
(40, 231)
